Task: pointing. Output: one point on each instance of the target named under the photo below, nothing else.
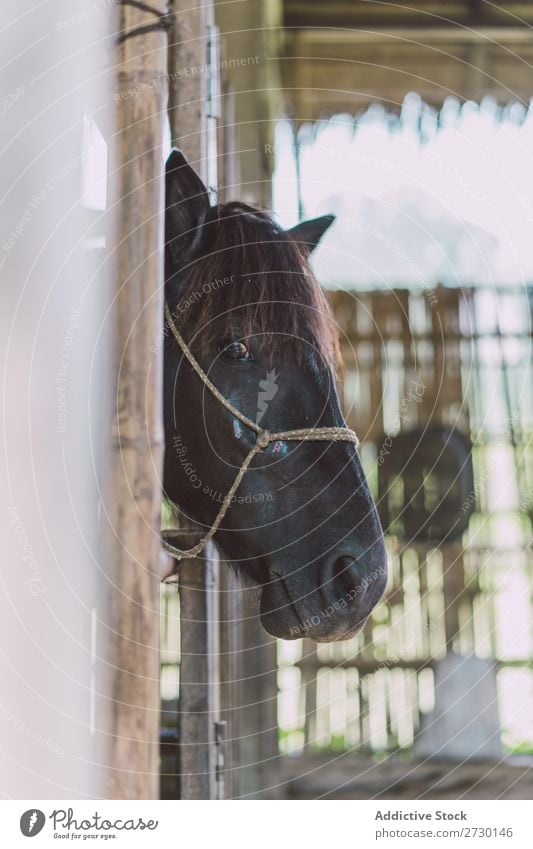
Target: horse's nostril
(346, 574)
(341, 580)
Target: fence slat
(199, 675)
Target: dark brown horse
(302, 525)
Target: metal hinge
(213, 75)
(220, 743)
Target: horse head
(302, 524)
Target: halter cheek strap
(263, 439)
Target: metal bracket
(221, 731)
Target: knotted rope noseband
(263, 439)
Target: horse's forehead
(261, 221)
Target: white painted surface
(52, 715)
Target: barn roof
(311, 59)
(342, 55)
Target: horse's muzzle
(323, 603)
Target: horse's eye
(235, 351)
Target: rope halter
(262, 441)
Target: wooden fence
(469, 349)
(218, 722)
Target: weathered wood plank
(133, 491)
(199, 675)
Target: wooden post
(309, 684)
(257, 775)
(193, 129)
(188, 106)
(230, 649)
(199, 676)
(193, 120)
(251, 38)
(133, 497)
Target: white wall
(52, 717)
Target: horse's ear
(186, 201)
(309, 233)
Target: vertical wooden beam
(199, 675)
(258, 725)
(228, 172)
(193, 117)
(230, 646)
(309, 685)
(251, 36)
(133, 497)
(192, 127)
(189, 79)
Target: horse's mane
(244, 267)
